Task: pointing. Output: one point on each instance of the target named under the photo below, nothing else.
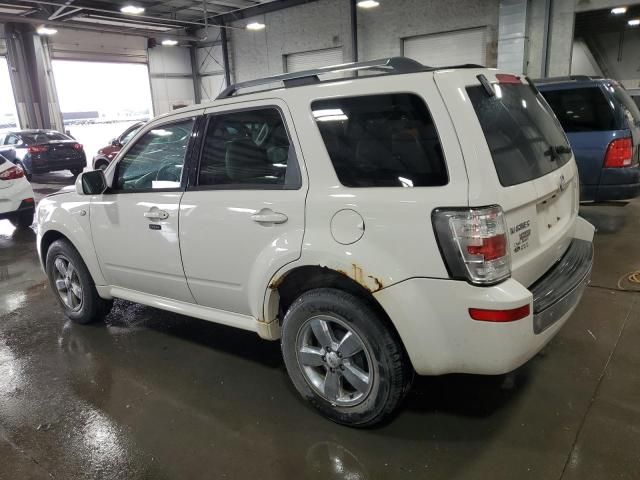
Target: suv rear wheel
(70, 279)
(343, 359)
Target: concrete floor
(153, 395)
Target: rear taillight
(12, 173)
(474, 243)
(37, 149)
(77, 146)
(619, 153)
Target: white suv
(16, 195)
(409, 219)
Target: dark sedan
(42, 151)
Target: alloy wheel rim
(334, 360)
(67, 283)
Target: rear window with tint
(525, 140)
(582, 109)
(43, 137)
(381, 141)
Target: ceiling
(603, 21)
(159, 15)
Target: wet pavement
(153, 395)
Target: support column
(225, 54)
(354, 29)
(32, 78)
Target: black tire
(76, 171)
(389, 369)
(23, 219)
(91, 307)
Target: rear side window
(381, 141)
(582, 109)
(525, 140)
(248, 149)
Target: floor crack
(598, 385)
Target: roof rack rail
(565, 78)
(393, 65)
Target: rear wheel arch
(285, 289)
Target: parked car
(603, 126)
(108, 153)
(42, 151)
(407, 221)
(16, 195)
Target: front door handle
(266, 215)
(156, 214)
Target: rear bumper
(616, 184)
(432, 316)
(23, 207)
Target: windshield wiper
(555, 151)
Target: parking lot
(157, 395)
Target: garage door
(450, 48)
(297, 62)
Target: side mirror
(115, 143)
(91, 183)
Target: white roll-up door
(98, 47)
(296, 62)
(449, 48)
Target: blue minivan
(603, 126)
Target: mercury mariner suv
(406, 219)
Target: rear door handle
(155, 214)
(266, 215)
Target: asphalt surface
(153, 395)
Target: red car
(108, 153)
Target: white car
(410, 220)
(16, 195)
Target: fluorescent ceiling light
(619, 10)
(169, 43)
(368, 3)
(255, 26)
(634, 23)
(132, 10)
(42, 30)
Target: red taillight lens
(490, 248)
(77, 146)
(12, 173)
(506, 78)
(37, 149)
(500, 315)
(619, 153)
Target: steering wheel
(169, 173)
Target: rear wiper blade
(555, 151)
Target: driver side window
(156, 160)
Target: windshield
(524, 137)
(43, 137)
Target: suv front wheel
(343, 359)
(70, 279)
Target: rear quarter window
(582, 109)
(381, 141)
